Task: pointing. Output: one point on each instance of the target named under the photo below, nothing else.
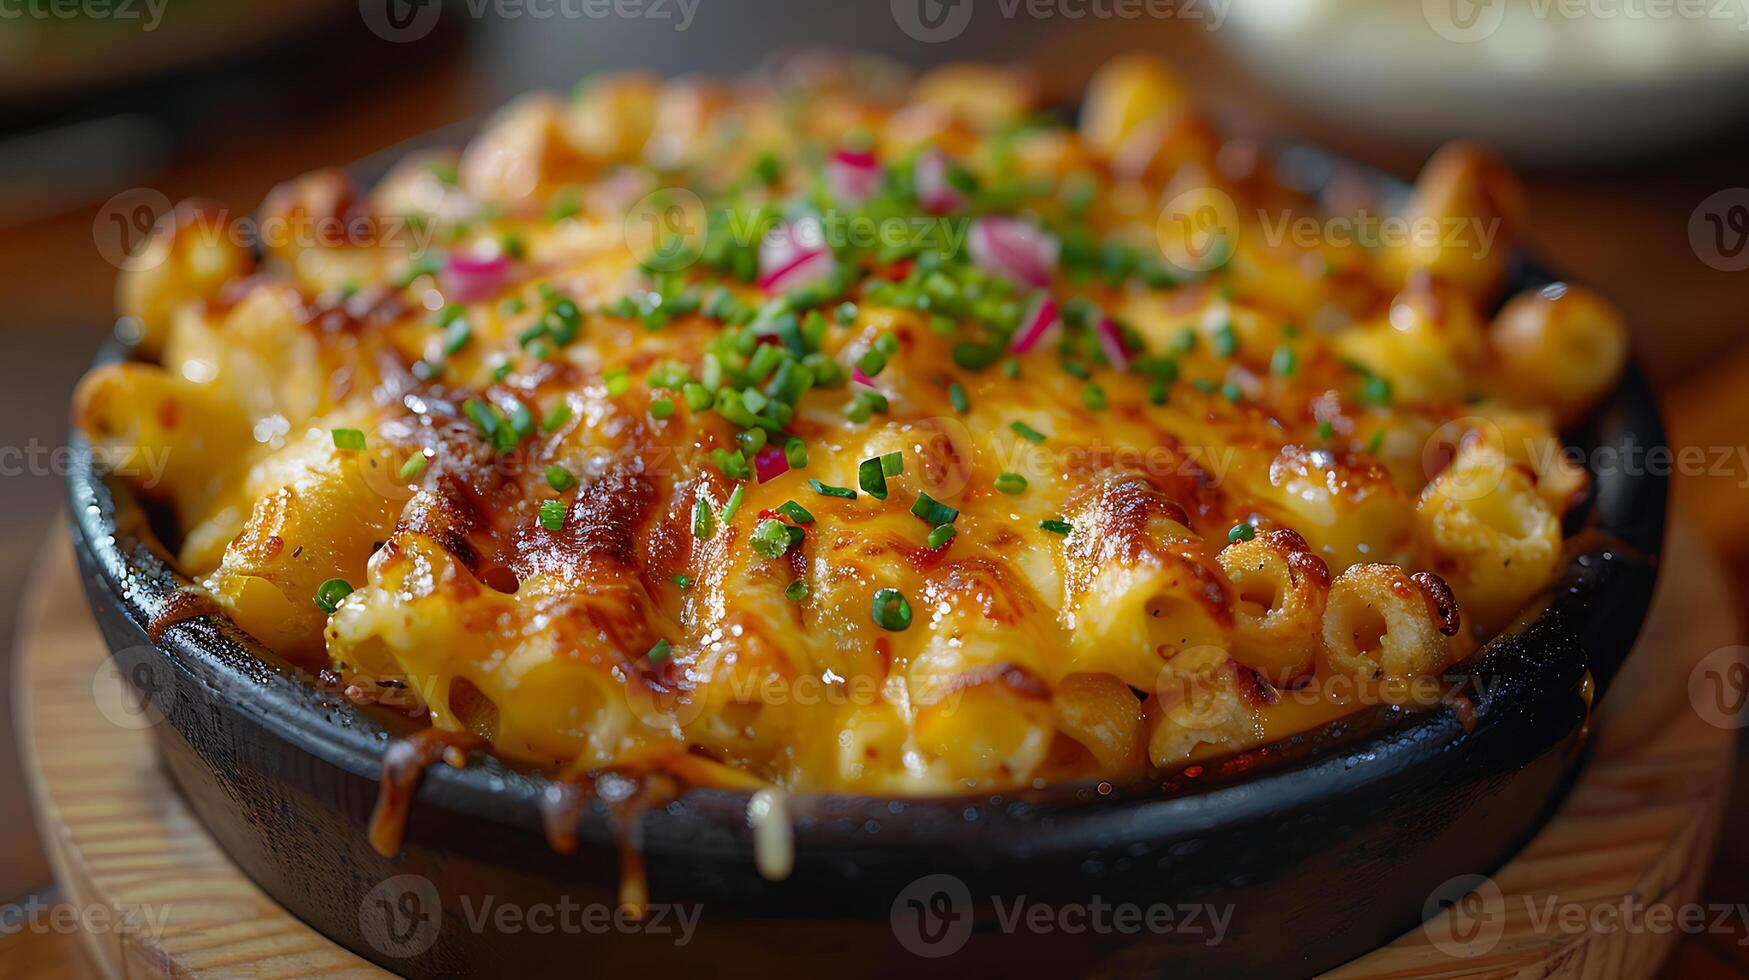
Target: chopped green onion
(457, 335)
(351, 439)
(1325, 430)
(1093, 397)
(795, 512)
(957, 395)
(771, 538)
(892, 464)
(1241, 532)
(1285, 362)
(934, 512)
(552, 514)
(414, 466)
(733, 506)
(1225, 341)
(796, 591)
(892, 611)
(940, 535)
(683, 581)
(1157, 392)
(1377, 440)
(559, 478)
(1375, 391)
(483, 417)
(704, 522)
(329, 594)
(872, 477)
(1057, 527)
(559, 415)
(795, 452)
(1011, 483)
(1027, 432)
(1231, 392)
(661, 408)
(827, 490)
(659, 653)
(1207, 386)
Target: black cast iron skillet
(1297, 856)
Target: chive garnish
(559, 478)
(704, 522)
(733, 507)
(934, 512)
(349, 439)
(796, 591)
(659, 653)
(1244, 531)
(940, 535)
(1027, 432)
(414, 466)
(827, 490)
(329, 594)
(871, 476)
(771, 538)
(552, 514)
(795, 512)
(892, 611)
(1057, 527)
(1010, 483)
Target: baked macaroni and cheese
(839, 431)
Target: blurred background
(1629, 122)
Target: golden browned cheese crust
(838, 431)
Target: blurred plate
(1545, 81)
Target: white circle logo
(124, 228)
(400, 21)
(402, 916)
(1718, 230)
(932, 21)
(666, 230)
(1465, 916)
(1464, 21)
(932, 917)
(1718, 687)
(1198, 229)
(133, 688)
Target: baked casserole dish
(835, 439)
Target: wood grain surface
(164, 900)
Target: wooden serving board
(1640, 824)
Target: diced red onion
(1111, 343)
(1013, 248)
(469, 278)
(787, 261)
(770, 463)
(934, 191)
(853, 175)
(1039, 321)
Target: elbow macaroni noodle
(1071, 470)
